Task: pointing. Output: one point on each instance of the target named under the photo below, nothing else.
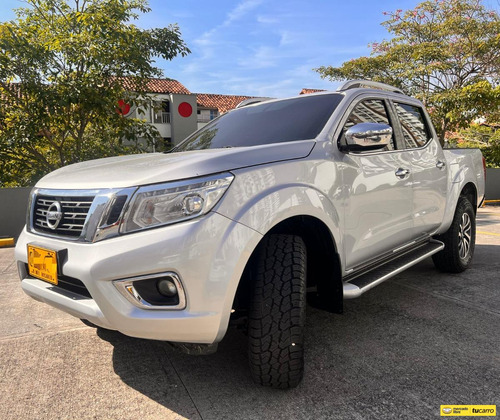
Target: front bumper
(208, 254)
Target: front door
(379, 198)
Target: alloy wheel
(464, 236)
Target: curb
(6, 242)
(494, 203)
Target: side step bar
(359, 285)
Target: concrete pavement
(413, 343)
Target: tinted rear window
(415, 130)
(275, 122)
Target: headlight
(163, 204)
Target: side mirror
(367, 136)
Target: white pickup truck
(321, 196)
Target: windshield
(300, 118)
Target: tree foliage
(62, 64)
(486, 138)
(445, 52)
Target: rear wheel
(277, 312)
(459, 240)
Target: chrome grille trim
(84, 213)
(75, 211)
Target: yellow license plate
(42, 264)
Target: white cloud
(267, 20)
(277, 89)
(241, 10)
(232, 16)
(263, 57)
(287, 38)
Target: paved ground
(420, 340)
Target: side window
(371, 110)
(416, 133)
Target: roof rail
(369, 84)
(251, 101)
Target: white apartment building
(175, 111)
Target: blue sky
(263, 48)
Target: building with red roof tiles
(306, 91)
(167, 95)
(222, 103)
(157, 86)
(175, 111)
(172, 109)
(211, 105)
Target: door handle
(440, 164)
(402, 173)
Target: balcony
(161, 117)
(204, 118)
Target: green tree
(445, 52)
(62, 68)
(484, 137)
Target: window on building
(213, 114)
(207, 115)
(161, 112)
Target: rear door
(379, 198)
(428, 167)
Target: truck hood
(151, 168)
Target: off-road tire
(459, 240)
(277, 312)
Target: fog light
(166, 287)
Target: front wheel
(277, 312)
(459, 240)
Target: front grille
(74, 213)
